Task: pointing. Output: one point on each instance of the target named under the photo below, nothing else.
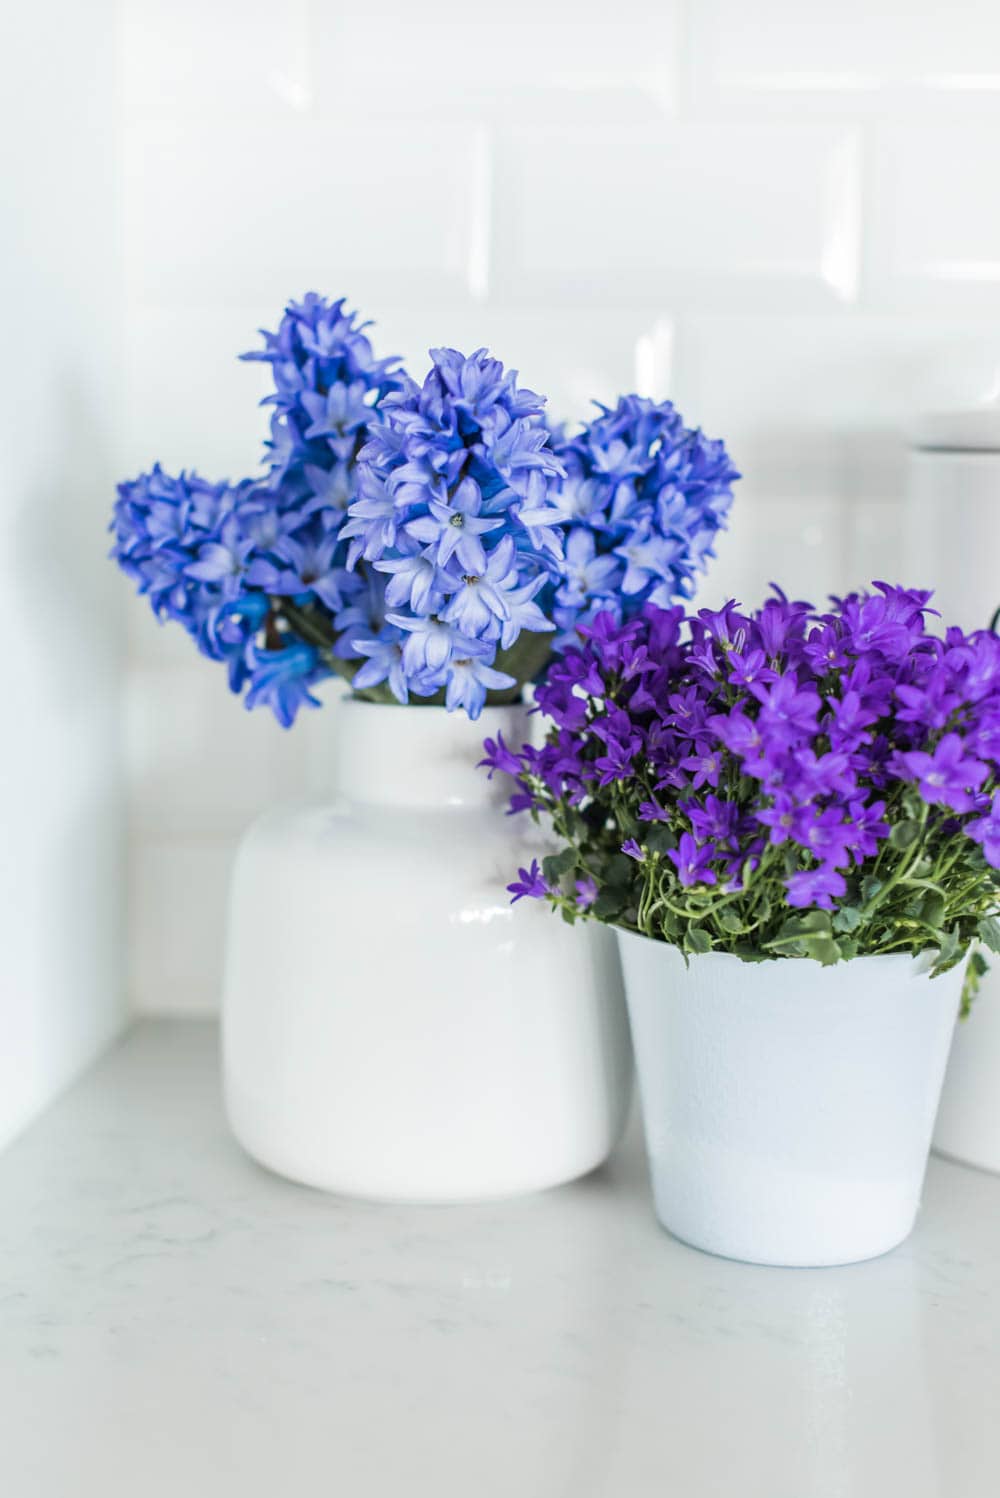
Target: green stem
(904, 868)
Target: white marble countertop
(174, 1321)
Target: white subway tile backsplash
(815, 411)
(240, 212)
(190, 401)
(188, 57)
(571, 355)
(935, 220)
(198, 762)
(715, 214)
(808, 380)
(857, 53)
(798, 543)
(520, 60)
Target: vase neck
(422, 756)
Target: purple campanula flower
(985, 830)
(869, 828)
(529, 882)
(930, 704)
(749, 667)
(705, 767)
(815, 887)
(946, 777)
(825, 834)
(499, 756)
(692, 861)
(786, 708)
(778, 818)
(715, 822)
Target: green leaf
(608, 904)
(974, 974)
(814, 922)
(848, 918)
(747, 953)
(670, 923)
(989, 933)
(951, 950)
(555, 865)
(659, 838)
(870, 888)
(799, 931)
(697, 940)
(932, 908)
(619, 870)
(822, 949)
(729, 920)
(904, 834)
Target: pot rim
(921, 961)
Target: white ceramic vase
(393, 1028)
(788, 1107)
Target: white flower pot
(788, 1107)
(393, 1027)
(968, 1125)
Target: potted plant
(791, 818)
(391, 1029)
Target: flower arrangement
(429, 542)
(785, 783)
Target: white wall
(782, 214)
(61, 993)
